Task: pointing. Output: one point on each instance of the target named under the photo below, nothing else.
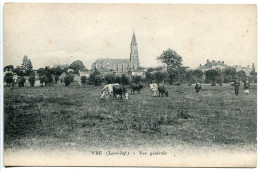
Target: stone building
(120, 65)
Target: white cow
(154, 88)
(107, 90)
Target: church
(120, 65)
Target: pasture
(74, 118)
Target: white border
(70, 169)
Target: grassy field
(74, 118)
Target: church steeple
(134, 53)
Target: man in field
(246, 86)
(108, 90)
(236, 85)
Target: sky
(63, 33)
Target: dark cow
(119, 90)
(162, 90)
(197, 87)
(136, 88)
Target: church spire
(133, 38)
(134, 60)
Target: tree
(56, 71)
(110, 78)
(161, 77)
(32, 80)
(9, 78)
(43, 79)
(83, 80)
(68, 79)
(198, 75)
(118, 79)
(211, 76)
(171, 59)
(241, 75)
(124, 79)
(48, 74)
(41, 71)
(229, 74)
(22, 81)
(27, 66)
(76, 66)
(97, 80)
(189, 76)
(253, 73)
(56, 79)
(149, 77)
(19, 71)
(137, 79)
(91, 79)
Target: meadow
(74, 118)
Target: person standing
(236, 85)
(246, 86)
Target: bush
(124, 79)
(110, 78)
(22, 81)
(32, 80)
(68, 79)
(56, 78)
(97, 80)
(118, 79)
(83, 80)
(43, 79)
(8, 78)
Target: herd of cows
(116, 90)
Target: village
(110, 70)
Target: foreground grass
(75, 118)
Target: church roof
(113, 60)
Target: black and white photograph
(136, 85)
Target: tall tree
(27, 66)
(76, 66)
(171, 59)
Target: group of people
(246, 86)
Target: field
(74, 118)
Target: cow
(136, 88)
(120, 90)
(162, 90)
(154, 88)
(197, 87)
(108, 90)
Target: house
(137, 73)
(85, 72)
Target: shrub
(118, 79)
(32, 80)
(97, 80)
(8, 78)
(22, 81)
(43, 79)
(56, 78)
(110, 78)
(124, 79)
(83, 80)
(68, 79)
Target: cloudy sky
(62, 33)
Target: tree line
(175, 74)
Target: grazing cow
(162, 90)
(197, 87)
(108, 90)
(154, 88)
(120, 90)
(136, 88)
